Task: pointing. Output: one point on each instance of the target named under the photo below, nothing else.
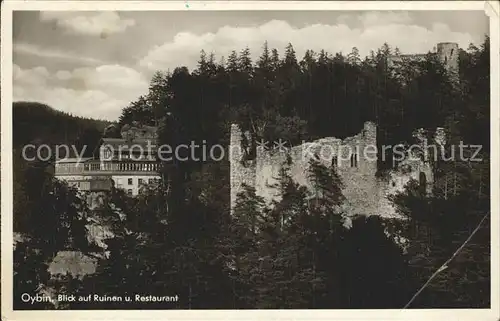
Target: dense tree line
(320, 95)
(178, 238)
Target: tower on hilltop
(448, 54)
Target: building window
(140, 181)
(130, 182)
(129, 192)
(107, 153)
(150, 181)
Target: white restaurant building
(129, 163)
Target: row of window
(80, 185)
(125, 155)
(136, 167)
(69, 168)
(141, 181)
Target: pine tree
(265, 58)
(232, 62)
(353, 58)
(245, 62)
(275, 59)
(290, 58)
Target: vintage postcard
(250, 160)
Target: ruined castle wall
(269, 165)
(241, 171)
(416, 165)
(361, 188)
(448, 54)
(365, 193)
(397, 180)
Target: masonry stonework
(355, 160)
(446, 52)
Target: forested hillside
(38, 123)
(179, 239)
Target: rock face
(74, 263)
(111, 131)
(138, 131)
(355, 160)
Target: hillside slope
(41, 124)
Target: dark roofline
(123, 142)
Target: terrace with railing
(96, 167)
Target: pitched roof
(73, 160)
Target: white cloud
(373, 31)
(99, 92)
(29, 49)
(102, 91)
(37, 76)
(95, 23)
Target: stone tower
(448, 54)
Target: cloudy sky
(94, 63)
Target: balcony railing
(110, 168)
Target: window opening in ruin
(451, 53)
(393, 184)
(354, 160)
(334, 162)
(423, 182)
(445, 59)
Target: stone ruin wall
(447, 52)
(365, 193)
(361, 188)
(241, 171)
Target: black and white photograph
(205, 157)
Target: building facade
(127, 163)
